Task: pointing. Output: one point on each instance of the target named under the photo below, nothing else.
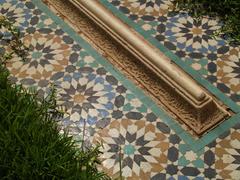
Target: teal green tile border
(187, 68)
(195, 145)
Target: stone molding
(182, 96)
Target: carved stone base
(199, 113)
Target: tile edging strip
(195, 145)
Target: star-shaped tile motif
(140, 144)
(48, 54)
(86, 94)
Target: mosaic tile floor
(114, 111)
(191, 40)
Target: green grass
(30, 144)
(228, 11)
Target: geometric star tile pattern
(16, 12)
(144, 9)
(225, 72)
(190, 39)
(141, 145)
(109, 111)
(49, 54)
